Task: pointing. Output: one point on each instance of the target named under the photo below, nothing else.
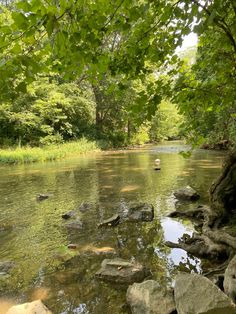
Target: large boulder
(121, 271)
(35, 307)
(187, 194)
(195, 294)
(230, 279)
(149, 297)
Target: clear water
(33, 235)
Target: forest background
(111, 72)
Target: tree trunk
(223, 191)
(212, 240)
(99, 101)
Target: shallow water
(33, 235)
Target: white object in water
(157, 161)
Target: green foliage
(48, 113)
(124, 54)
(205, 91)
(48, 153)
(141, 136)
(166, 124)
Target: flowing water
(32, 233)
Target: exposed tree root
(202, 246)
(212, 242)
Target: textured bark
(223, 191)
(212, 241)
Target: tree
(47, 113)
(205, 91)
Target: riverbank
(48, 153)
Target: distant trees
(120, 55)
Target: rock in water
(70, 214)
(35, 307)
(84, 207)
(195, 294)
(74, 224)
(42, 197)
(149, 297)
(112, 221)
(187, 194)
(230, 280)
(141, 212)
(121, 271)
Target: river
(34, 237)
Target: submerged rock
(141, 212)
(230, 280)
(112, 221)
(35, 307)
(187, 194)
(74, 224)
(84, 207)
(195, 294)
(69, 214)
(42, 197)
(121, 271)
(150, 297)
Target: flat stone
(141, 212)
(112, 221)
(187, 194)
(230, 279)
(149, 297)
(35, 307)
(195, 294)
(121, 271)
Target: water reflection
(33, 233)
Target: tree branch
(113, 14)
(220, 23)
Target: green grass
(47, 153)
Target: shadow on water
(33, 233)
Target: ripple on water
(107, 182)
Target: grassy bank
(47, 153)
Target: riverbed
(33, 235)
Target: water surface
(33, 233)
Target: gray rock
(42, 197)
(70, 214)
(112, 221)
(121, 271)
(187, 194)
(195, 294)
(141, 212)
(149, 297)
(230, 279)
(35, 307)
(74, 224)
